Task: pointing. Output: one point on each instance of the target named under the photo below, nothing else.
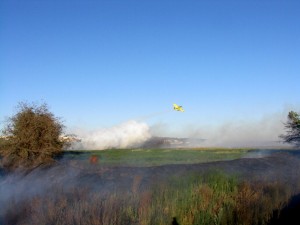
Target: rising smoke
(125, 135)
(261, 132)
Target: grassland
(156, 157)
(132, 189)
(207, 200)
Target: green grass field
(156, 157)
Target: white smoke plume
(125, 135)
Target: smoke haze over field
(262, 132)
(254, 133)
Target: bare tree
(32, 137)
(292, 127)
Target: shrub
(32, 137)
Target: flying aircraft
(178, 107)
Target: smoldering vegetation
(249, 190)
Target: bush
(32, 137)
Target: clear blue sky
(99, 63)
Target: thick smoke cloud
(125, 135)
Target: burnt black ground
(282, 166)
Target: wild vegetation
(31, 137)
(214, 198)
